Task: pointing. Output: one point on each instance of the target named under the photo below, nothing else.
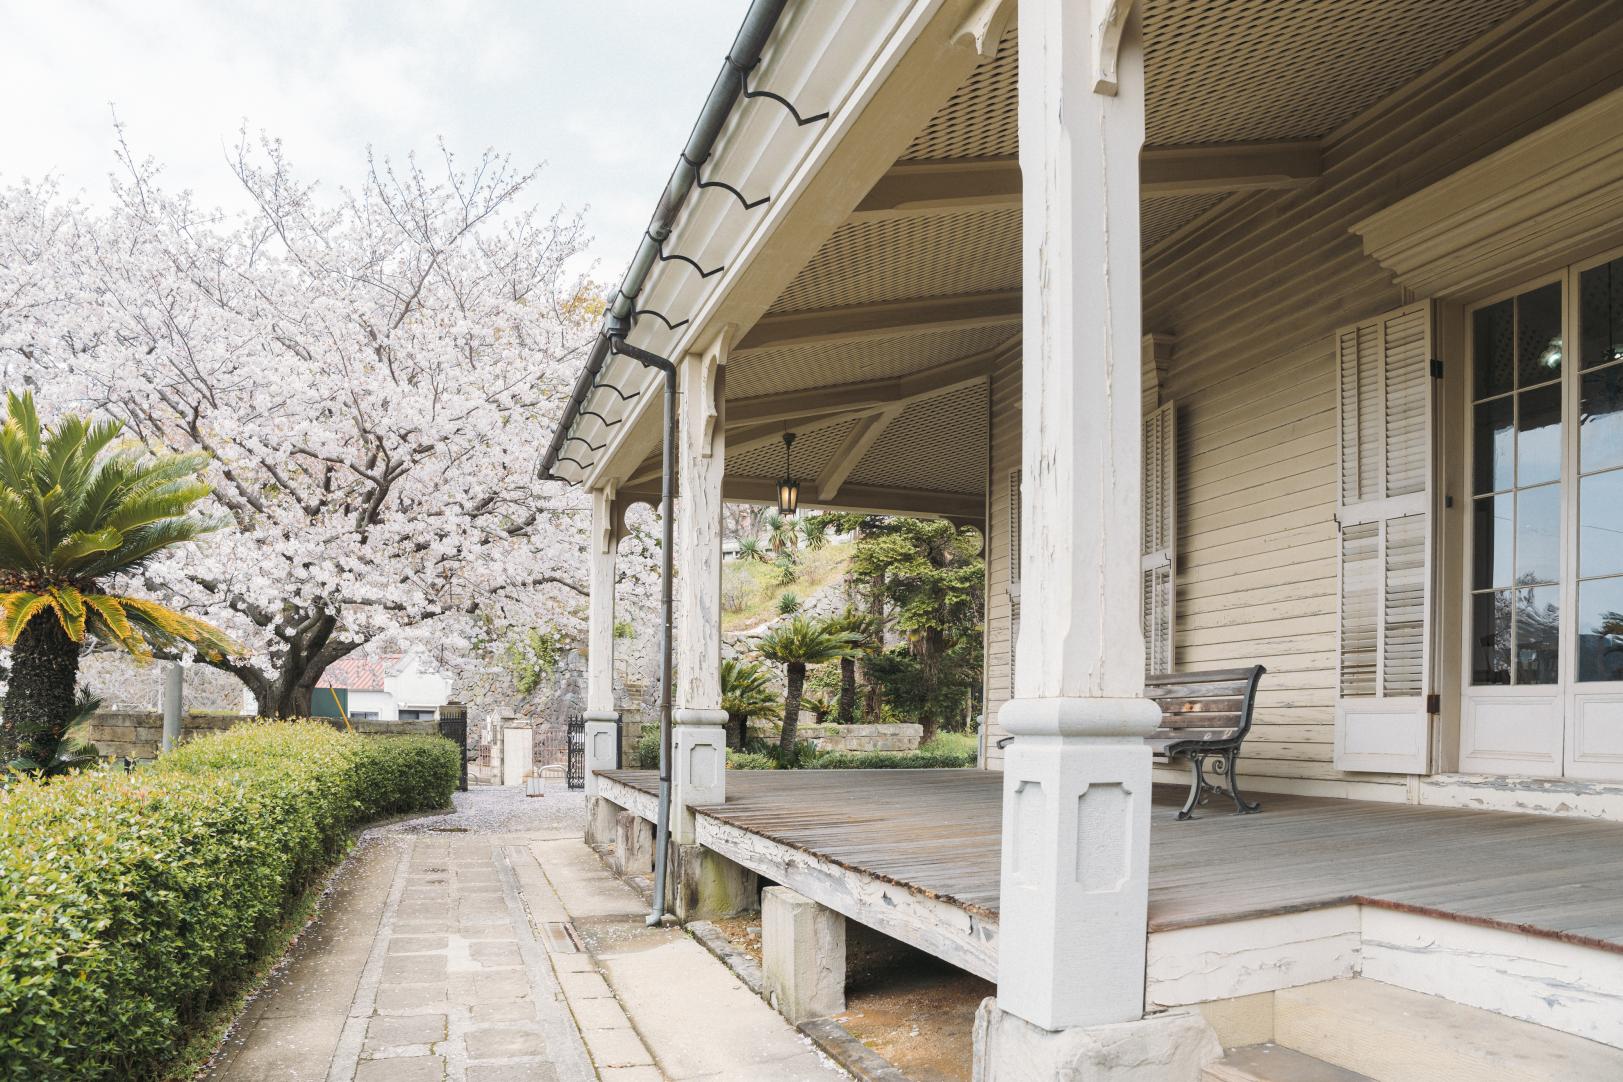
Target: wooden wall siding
(1254, 298)
(1005, 458)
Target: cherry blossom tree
(373, 372)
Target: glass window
(1600, 425)
(1600, 524)
(1600, 314)
(1538, 335)
(1538, 535)
(1492, 330)
(1538, 436)
(1600, 630)
(1490, 642)
(1538, 636)
(1495, 445)
(1495, 518)
(1517, 353)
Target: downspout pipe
(667, 517)
(757, 27)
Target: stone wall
(136, 734)
(896, 736)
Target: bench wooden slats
(1204, 714)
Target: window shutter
(1384, 409)
(1014, 571)
(1158, 570)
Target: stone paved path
(423, 968)
(493, 946)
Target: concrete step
(1275, 1063)
(1391, 1034)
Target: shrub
(749, 760)
(891, 760)
(131, 903)
(647, 750)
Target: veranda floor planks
(939, 832)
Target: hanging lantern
(788, 488)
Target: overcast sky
(603, 91)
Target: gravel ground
(502, 809)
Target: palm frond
(164, 627)
(20, 606)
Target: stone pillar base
(601, 818)
(708, 886)
(1172, 1047)
(633, 844)
(698, 766)
(602, 745)
(802, 955)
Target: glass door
(1544, 626)
(1594, 746)
(1512, 718)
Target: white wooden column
(602, 720)
(1077, 776)
(698, 731)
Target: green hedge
(890, 760)
(131, 903)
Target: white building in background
(392, 687)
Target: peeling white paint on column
(1075, 879)
(698, 733)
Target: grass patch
(750, 589)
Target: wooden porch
(937, 833)
(1310, 889)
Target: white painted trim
(938, 928)
(1569, 797)
(632, 800)
(1240, 958)
(1564, 986)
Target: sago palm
(746, 692)
(73, 515)
(795, 645)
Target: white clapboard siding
(1256, 297)
(1002, 550)
(1158, 568)
(1383, 373)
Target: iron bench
(1204, 715)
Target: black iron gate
(576, 773)
(454, 727)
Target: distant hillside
(750, 589)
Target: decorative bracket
(611, 519)
(1109, 20)
(712, 383)
(985, 26)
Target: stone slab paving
(492, 946)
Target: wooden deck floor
(938, 831)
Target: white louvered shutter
(1158, 568)
(1014, 573)
(1385, 404)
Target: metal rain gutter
(745, 53)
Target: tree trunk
(848, 690)
(932, 725)
(791, 712)
(39, 694)
(737, 731)
(873, 694)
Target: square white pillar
(1075, 861)
(698, 732)
(602, 720)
